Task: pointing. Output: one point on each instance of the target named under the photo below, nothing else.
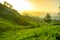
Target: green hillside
(48, 32)
(11, 18)
(12, 15)
(14, 26)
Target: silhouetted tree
(58, 10)
(47, 18)
(7, 4)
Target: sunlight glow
(19, 4)
(34, 5)
(22, 5)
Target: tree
(58, 10)
(8, 5)
(5, 3)
(47, 18)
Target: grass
(49, 32)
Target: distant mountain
(34, 13)
(54, 15)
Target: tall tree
(47, 18)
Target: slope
(12, 15)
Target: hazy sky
(45, 5)
(35, 5)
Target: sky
(35, 5)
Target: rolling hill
(14, 26)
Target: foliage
(49, 32)
(47, 18)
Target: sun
(22, 5)
(19, 5)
